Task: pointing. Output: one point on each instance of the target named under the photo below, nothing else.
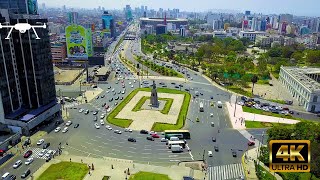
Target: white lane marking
(115, 149)
(83, 146)
(131, 152)
(145, 153)
(93, 140)
(97, 150)
(101, 146)
(132, 148)
(98, 137)
(112, 153)
(104, 143)
(88, 142)
(147, 149)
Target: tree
(313, 56)
(275, 52)
(254, 80)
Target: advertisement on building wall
(76, 41)
(32, 6)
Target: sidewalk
(235, 113)
(163, 78)
(249, 166)
(103, 167)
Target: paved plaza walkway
(144, 119)
(116, 168)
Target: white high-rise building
(318, 25)
(253, 24)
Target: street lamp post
(261, 142)
(235, 107)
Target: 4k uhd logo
(289, 155)
(22, 28)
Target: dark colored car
(86, 112)
(121, 98)
(102, 96)
(95, 118)
(25, 174)
(214, 139)
(111, 99)
(176, 86)
(46, 145)
(76, 125)
(97, 97)
(132, 140)
(144, 132)
(116, 98)
(211, 97)
(180, 85)
(27, 154)
(186, 89)
(173, 83)
(12, 177)
(109, 87)
(216, 148)
(234, 153)
(150, 138)
(103, 104)
(251, 143)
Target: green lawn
(111, 118)
(182, 114)
(277, 101)
(140, 103)
(66, 171)
(264, 174)
(165, 109)
(239, 90)
(148, 176)
(297, 176)
(257, 124)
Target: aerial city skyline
(296, 7)
(162, 90)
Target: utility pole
(261, 142)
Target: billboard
(89, 42)
(76, 40)
(32, 6)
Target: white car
(97, 125)
(68, 123)
(40, 142)
(163, 140)
(122, 92)
(102, 116)
(57, 129)
(112, 90)
(81, 110)
(101, 122)
(152, 132)
(117, 131)
(42, 153)
(109, 109)
(108, 91)
(17, 164)
(131, 86)
(29, 161)
(127, 130)
(211, 114)
(108, 127)
(134, 81)
(130, 83)
(65, 129)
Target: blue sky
(297, 7)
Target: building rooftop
(302, 75)
(103, 71)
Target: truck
(176, 148)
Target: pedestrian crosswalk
(224, 172)
(70, 105)
(36, 152)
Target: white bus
(181, 143)
(201, 107)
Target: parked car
(76, 125)
(163, 140)
(251, 143)
(42, 153)
(216, 148)
(108, 127)
(214, 139)
(150, 138)
(127, 130)
(96, 125)
(68, 123)
(95, 112)
(101, 122)
(86, 112)
(27, 154)
(155, 136)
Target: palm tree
(254, 80)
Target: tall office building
(128, 12)
(20, 6)
(108, 23)
(27, 87)
(247, 13)
(73, 17)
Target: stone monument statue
(154, 96)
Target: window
(315, 98)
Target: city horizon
(227, 7)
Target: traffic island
(130, 112)
(144, 104)
(149, 175)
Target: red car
(155, 136)
(27, 154)
(251, 143)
